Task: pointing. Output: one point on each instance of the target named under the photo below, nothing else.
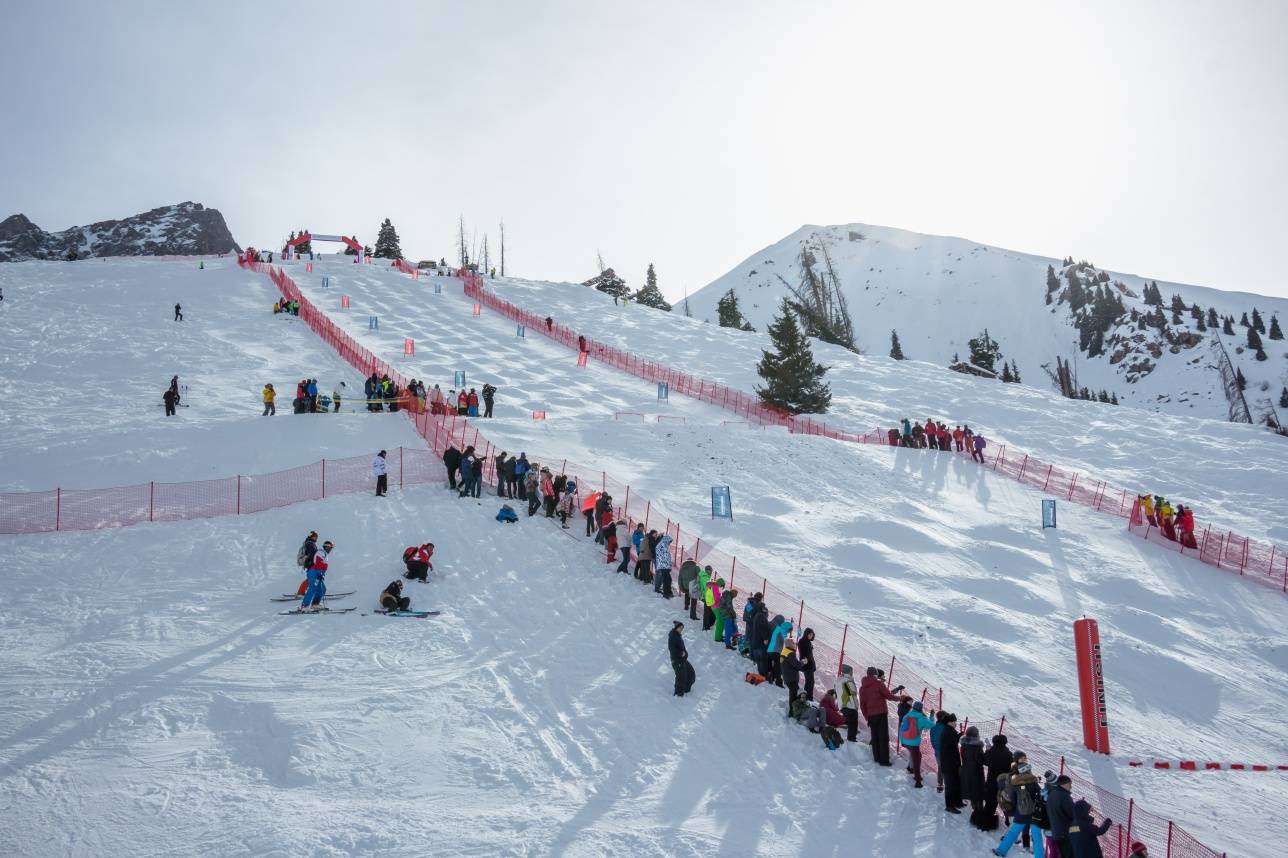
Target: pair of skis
(420, 615)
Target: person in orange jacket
(588, 510)
(959, 438)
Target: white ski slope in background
(89, 347)
(1233, 474)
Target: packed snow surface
(155, 703)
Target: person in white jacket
(382, 479)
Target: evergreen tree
(1261, 353)
(1257, 323)
(896, 351)
(984, 351)
(1244, 321)
(1176, 317)
(1178, 304)
(650, 295)
(1240, 380)
(387, 242)
(1254, 339)
(730, 315)
(1007, 378)
(1196, 312)
(1283, 398)
(1015, 371)
(1213, 321)
(609, 283)
(793, 380)
(1227, 326)
(1202, 326)
(1113, 399)
(306, 247)
(1053, 282)
(1275, 333)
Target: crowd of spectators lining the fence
(1176, 523)
(986, 776)
(937, 436)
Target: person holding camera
(873, 699)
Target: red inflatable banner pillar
(1091, 685)
(409, 346)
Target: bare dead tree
(462, 250)
(819, 301)
(502, 247)
(485, 256)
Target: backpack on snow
(754, 678)
(831, 737)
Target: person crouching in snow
(392, 598)
(418, 562)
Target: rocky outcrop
(185, 229)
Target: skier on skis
(312, 600)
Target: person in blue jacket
(910, 729)
(521, 468)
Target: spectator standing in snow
(489, 394)
(848, 694)
(644, 554)
(1085, 834)
(728, 612)
(662, 563)
(997, 760)
(452, 460)
(977, 451)
(687, 576)
(171, 399)
(791, 670)
(1024, 788)
(178, 313)
(679, 659)
(972, 773)
(950, 762)
(380, 471)
(874, 700)
(805, 652)
(532, 485)
(270, 397)
(758, 632)
(624, 544)
(336, 395)
(910, 729)
(567, 505)
(1059, 806)
(774, 650)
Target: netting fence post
(239, 494)
(324, 478)
(1169, 838)
(801, 618)
(1131, 811)
(58, 508)
(890, 675)
(400, 468)
(152, 492)
(733, 568)
(844, 637)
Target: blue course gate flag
(721, 503)
(663, 392)
(1048, 513)
(460, 379)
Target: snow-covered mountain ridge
(939, 292)
(186, 228)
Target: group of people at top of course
(937, 436)
(1176, 523)
(986, 776)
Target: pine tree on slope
(730, 314)
(1275, 332)
(650, 295)
(1283, 398)
(896, 351)
(1254, 339)
(387, 242)
(1227, 326)
(984, 351)
(793, 380)
(1257, 323)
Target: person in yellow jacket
(270, 397)
(1147, 507)
(847, 696)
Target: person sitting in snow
(392, 598)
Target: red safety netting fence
(122, 506)
(1266, 563)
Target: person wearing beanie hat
(791, 670)
(848, 695)
(805, 652)
(1085, 834)
(728, 611)
(910, 729)
(1027, 796)
(1059, 808)
(950, 763)
(997, 762)
(874, 700)
(972, 772)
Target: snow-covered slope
(153, 697)
(182, 229)
(939, 292)
(87, 349)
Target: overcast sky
(1149, 137)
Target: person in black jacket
(950, 763)
(170, 398)
(501, 459)
(1059, 805)
(452, 459)
(679, 659)
(1084, 834)
(997, 759)
(972, 775)
(805, 652)
(476, 475)
(760, 638)
(489, 393)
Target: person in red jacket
(418, 562)
(831, 713)
(873, 696)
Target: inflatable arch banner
(311, 236)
